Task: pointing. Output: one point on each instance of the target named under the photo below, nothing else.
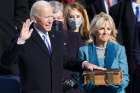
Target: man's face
(45, 18)
(59, 16)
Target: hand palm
(26, 32)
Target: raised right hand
(26, 31)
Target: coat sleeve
(10, 56)
(124, 67)
(82, 55)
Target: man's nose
(50, 20)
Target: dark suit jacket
(98, 6)
(125, 19)
(13, 13)
(93, 7)
(72, 43)
(71, 65)
(40, 72)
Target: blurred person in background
(126, 15)
(58, 22)
(96, 6)
(76, 34)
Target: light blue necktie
(47, 42)
(137, 13)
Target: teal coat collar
(109, 54)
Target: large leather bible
(106, 77)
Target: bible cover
(106, 77)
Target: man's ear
(34, 19)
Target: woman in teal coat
(104, 53)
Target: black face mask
(57, 26)
(71, 25)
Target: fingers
(26, 31)
(100, 68)
(91, 67)
(28, 23)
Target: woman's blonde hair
(97, 23)
(84, 30)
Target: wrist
(21, 41)
(84, 64)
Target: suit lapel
(92, 54)
(110, 54)
(130, 18)
(52, 39)
(39, 42)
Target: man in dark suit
(96, 6)
(125, 17)
(13, 13)
(39, 52)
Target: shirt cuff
(84, 63)
(20, 41)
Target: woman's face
(104, 32)
(75, 14)
(75, 18)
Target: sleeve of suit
(124, 67)
(10, 56)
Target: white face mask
(74, 24)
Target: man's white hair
(37, 7)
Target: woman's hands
(89, 66)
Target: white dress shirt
(134, 5)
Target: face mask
(57, 26)
(74, 24)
